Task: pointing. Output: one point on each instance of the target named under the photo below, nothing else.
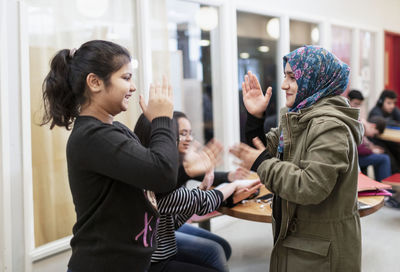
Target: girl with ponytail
(111, 175)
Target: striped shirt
(175, 209)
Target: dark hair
(355, 94)
(179, 114)
(64, 88)
(380, 123)
(143, 130)
(385, 94)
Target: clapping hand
(246, 154)
(208, 180)
(253, 98)
(244, 189)
(199, 160)
(239, 173)
(160, 101)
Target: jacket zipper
(287, 202)
(288, 127)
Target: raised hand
(253, 98)
(246, 154)
(160, 101)
(239, 173)
(245, 188)
(199, 160)
(207, 181)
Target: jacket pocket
(307, 254)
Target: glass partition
(257, 52)
(303, 33)
(55, 25)
(366, 74)
(184, 38)
(341, 46)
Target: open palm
(253, 98)
(199, 160)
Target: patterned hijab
(318, 74)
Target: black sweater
(109, 174)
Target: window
(303, 33)
(183, 40)
(257, 52)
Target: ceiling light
(92, 8)
(207, 18)
(315, 35)
(244, 55)
(273, 28)
(204, 42)
(263, 48)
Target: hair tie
(72, 52)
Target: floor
(252, 242)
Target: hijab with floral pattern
(318, 74)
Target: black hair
(380, 123)
(355, 94)
(143, 130)
(64, 88)
(178, 114)
(385, 94)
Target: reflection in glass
(303, 33)
(185, 29)
(257, 52)
(50, 30)
(367, 43)
(341, 46)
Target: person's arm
(312, 180)
(189, 202)
(376, 111)
(396, 115)
(254, 128)
(106, 150)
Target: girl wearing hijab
(309, 162)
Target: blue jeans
(380, 162)
(199, 246)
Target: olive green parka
(316, 222)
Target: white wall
(371, 15)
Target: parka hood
(338, 107)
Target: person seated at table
(177, 206)
(187, 235)
(356, 98)
(310, 163)
(386, 108)
(368, 152)
(371, 154)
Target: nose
(132, 88)
(284, 85)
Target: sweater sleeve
(188, 202)
(314, 177)
(254, 128)
(108, 151)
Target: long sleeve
(110, 151)
(183, 177)
(312, 180)
(189, 202)
(254, 128)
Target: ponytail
(64, 88)
(60, 103)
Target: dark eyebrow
(289, 73)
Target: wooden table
(262, 212)
(392, 135)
